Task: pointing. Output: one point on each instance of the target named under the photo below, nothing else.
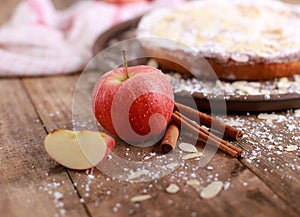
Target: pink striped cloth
(40, 40)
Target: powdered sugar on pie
(239, 30)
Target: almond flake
(240, 58)
(283, 84)
(153, 63)
(192, 155)
(187, 147)
(239, 84)
(291, 148)
(172, 188)
(234, 123)
(297, 78)
(249, 90)
(140, 198)
(269, 117)
(172, 165)
(212, 190)
(193, 183)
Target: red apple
(134, 104)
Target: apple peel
(134, 103)
(78, 150)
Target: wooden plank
(267, 155)
(51, 100)
(247, 195)
(30, 184)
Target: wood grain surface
(265, 182)
(30, 182)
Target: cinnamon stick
(170, 138)
(197, 126)
(203, 136)
(206, 120)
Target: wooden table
(266, 182)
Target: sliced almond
(269, 117)
(193, 183)
(140, 198)
(239, 84)
(212, 190)
(291, 148)
(172, 165)
(153, 63)
(254, 84)
(187, 147)
(242, 58)
(172, 188)
(249, 90)
(297, 78)
(192, 155)
(234, 123)
(283, 83)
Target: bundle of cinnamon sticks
(186, 117)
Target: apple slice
(78, 150)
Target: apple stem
(125, 63)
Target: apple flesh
(135, 105)
(78, 150)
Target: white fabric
(40, 40)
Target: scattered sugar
(137, 173)
(62, 212)
(273, 143)
(209, 168)
(226, 185)
(237, 89)
(117, 207)
(58, 195)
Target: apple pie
(240, 39)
